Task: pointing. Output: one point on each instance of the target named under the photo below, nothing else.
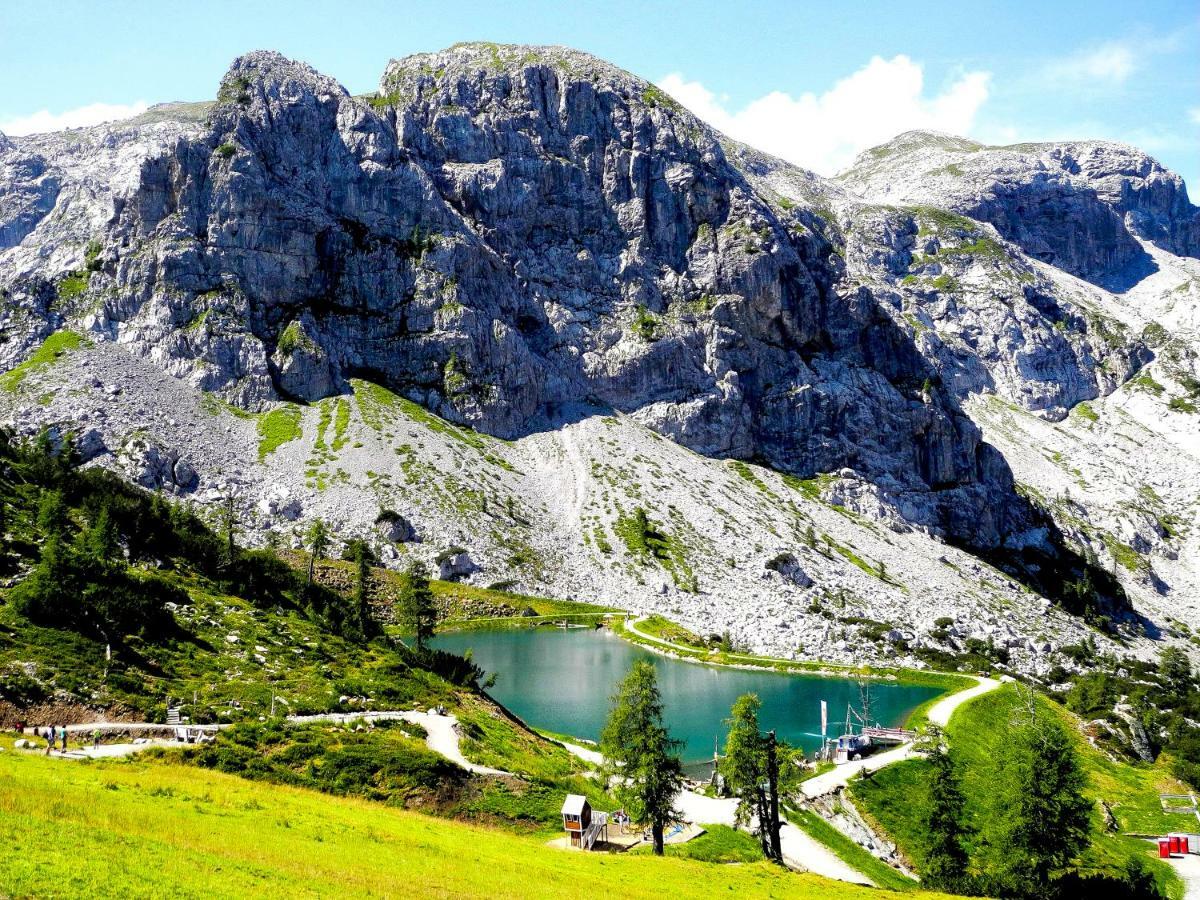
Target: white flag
(824, 718)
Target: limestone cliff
(525, 241)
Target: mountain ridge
(525, 240)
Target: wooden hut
(583, 826)
(577, 817)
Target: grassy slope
(306, 667)
(1131, 791)
(159, 830)
(849, 852)
(718, 844)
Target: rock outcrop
(506, 236)
(1078, 205)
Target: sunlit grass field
(147, 829)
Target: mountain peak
(469, 59)
(276, 74)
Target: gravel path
(441, 732)
(105, 751)
(1187, 867)
(939, 714)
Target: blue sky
(812, 82)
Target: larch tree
(414, 603)
(751, 771)
(641, 755)
(1039, 819)
(317, 539)
(945, 825)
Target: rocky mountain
(522, 314)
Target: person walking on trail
(62, 733)
(49, 739)
(95, 738)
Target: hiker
(95, 738)
(62, 733)
(49, 739)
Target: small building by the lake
(577, 817)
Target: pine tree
(51, 513)
(318, 542)
(751, 772)
(50, 592)
(1039, 816)
(640, 753)
(99, 541)
(362, 591)
(945, 828)
(745, 759)
(415, 605)
(228, 520)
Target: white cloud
(1110, 63)
(93, 114)
(1194, 115)
(825, 132)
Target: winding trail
(939, 714)
(1187, 867)
(441, 732)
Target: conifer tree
(318, 542)
(945, 827)
(751, 772)
(415, 603)
(1039, 817)
(641, 755)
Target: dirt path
(830, 781)
(939, 714)
(108, 751)
(1187, 868)
(441, 732)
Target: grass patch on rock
(51, 349)
(276, 428)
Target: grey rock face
(508, 236)
(396, 528)
(456, 566)
(788, 566)
(32, 193)
(1076, 205)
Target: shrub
(261, 577)
(645, 324)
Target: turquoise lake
(562, 681)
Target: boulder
(155, 466)
(786, 565)
(453, 566)
(394, 527)
(278, 503)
